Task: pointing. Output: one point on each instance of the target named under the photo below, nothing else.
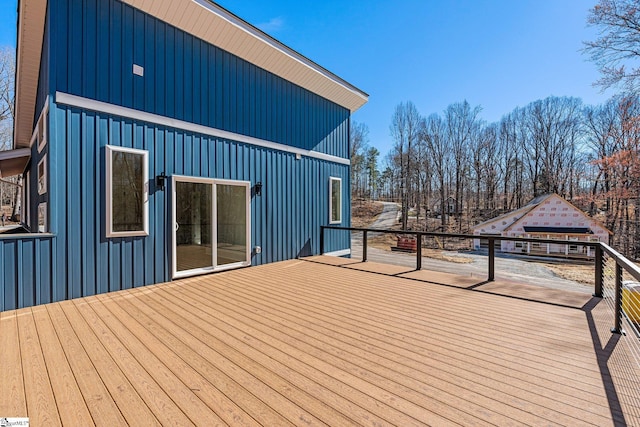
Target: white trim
(339, 220)
(116, 110)
(343, 252)
(12, 154)
(42, 206)
(280, 47)
(109, 150)
(42, 189)
(42, 121)
(26, 205)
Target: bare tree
(10, 190)
(7, 84)
(434, 134)
(462, 126)
(405, 130)
(358, 146)
(616, 51)
(553, 127)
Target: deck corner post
(617, 329)
(597, 292)
(364, 245)
(419, 251)
(492, 260)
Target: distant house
(163, 139)
(545, 217)
(450, 207)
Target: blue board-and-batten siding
(286, 218)
(97, 42)
(89, 49)
(26, 274)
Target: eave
(13, 162)
(216, 25)
(31, 19)
(199, 18)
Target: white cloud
(273, 25)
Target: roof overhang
(13, 162)
(204, 20)
(31, 18)
(218, 26)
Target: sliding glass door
(211, 225)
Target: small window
(25, 208)
(42, 218)
(127, 192)
(42, 130)
(335, 200)
(42, 176)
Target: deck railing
(614, 275)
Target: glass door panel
(193, 226)
(231, 224)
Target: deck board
(64, 385)
(101, 405)
(13, 401)
(318, 342)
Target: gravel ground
(507, 268)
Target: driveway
(387, 219)
(507, 268)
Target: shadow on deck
(319, 341)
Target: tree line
(462, 170)
(452, 170)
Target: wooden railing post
(418, 251)
(617, 329)
(322, 240)
(492, 260)
(597, 292)
(364, 245)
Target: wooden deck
(320, 341)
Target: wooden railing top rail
(466, 236)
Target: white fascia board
(280, 47)
(117, 110)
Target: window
(127, 192)
(26, 201)
(335, 200)
(42, 129)
(42, 218)
(42, 175)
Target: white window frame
(331, 220)
(42, 187)
(41, 127)
(43, 206)
(26, 200)
(110, 149)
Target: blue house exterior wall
(98, 41)
(89, 49)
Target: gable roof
(200, 18)
(516, 214)
(566, 202)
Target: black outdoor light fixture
(160, 180)
(258, 188)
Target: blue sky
(496, 54)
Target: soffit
(13, 162)
(31, 17)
